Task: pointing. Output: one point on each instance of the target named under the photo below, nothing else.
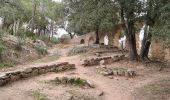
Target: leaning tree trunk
(146, 43)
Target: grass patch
(155, 91)
(6, 65)
(42, 50)
(37, 95)
(69, 81)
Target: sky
(57, 0)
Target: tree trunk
(97, 35)
(33, 15)
(146, 42)
(128, 27)
(71, 35)
(145, 49)
(131, 40)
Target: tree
(91, 15)
(130, 11)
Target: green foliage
(26, 34)
(69, 81)
(87, 15)
(2, 48)
(49, 40)
(162, 27)
(41, 50)
(6, 64)
(18, 46)
(54, 40)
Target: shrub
(2, 48)
(37, 95)
(6, 64)
(18, 46)
(51, 40)
(41, 50)
(44, 38)
(54, 40)
(25, 34)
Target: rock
(38, 43)
(100, 93)
(111, 77)
(106, 72)
(90, 84)
(102, 62)
(14, 76)
(97, 54)
(116, 78)
(130, 73)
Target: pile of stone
(116, 72)
(102, 60)
(9, 77)
(77, 50)
(73, 81)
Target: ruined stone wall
(9, 77)
(167, 54)
(158, 51)
(90, 38)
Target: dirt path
(118, 88)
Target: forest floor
(146, 85)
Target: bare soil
(118, 88)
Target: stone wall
(102, 60)
(9, 77)
(167, 54)
(158, 51)
(90, 38)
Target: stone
(130, 73)
(2, 82)
(100, 93)
(34, 71)
(41, 71)
(14, 76)
(116, 78)
(102, 62)
(121, 73)
(28, 70)
(90, 84)
(97, 54)
(111, 77)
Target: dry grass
(159, 90)
(47, 59)
(37, 95)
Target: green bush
(41, 50)
(6, 64)
(18, 47)
(2, 48)
(26, 34)
(49, 41)
(54, 40)
(44, 38)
